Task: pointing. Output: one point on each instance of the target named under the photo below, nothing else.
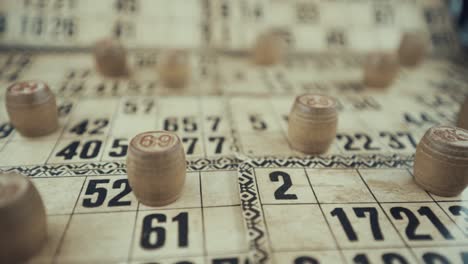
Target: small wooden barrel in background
(111, 58)
(269, 49)
(380, 69)
(312, 123)
(413, 48)
(156, 167)
(441, 161)
(23, 223)
(32, 108)
(174, 68)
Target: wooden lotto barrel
(413, 48)
(23, 223)
(441, 161)
(32, 108)
(380, 69)
(111, 58)
(156, 167)
(269, 49)
(174, 68)
(312, 123)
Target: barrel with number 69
(156, 167)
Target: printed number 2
(280, 193)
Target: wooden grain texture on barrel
(32, 108)
(23, 222)
(174, 69)
(380, 69)
(312, 123)
(441, 161)
(111, 58)
(156, 167)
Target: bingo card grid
(363, 212)
(85, 207)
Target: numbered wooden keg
(156, 167)
(32, 108)
(312, 123)
(23, 223)
(441, 161)
(413, 48)
(380, 69)
(269, 49)
(174, 68)
(111, 58)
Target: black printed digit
(394, 143)
(190, 125)
(387, 258)
(216, 120)
(384, 14)
(345, 223)
(419, 119)
(153, 236)
(336, 38)
(64, 109)
(69, 151)
(5, 130)
(458, 210)
(99, 125)
(367, 141)
(90, 149)
(119, 148)
(171, 124)
(306, 260)
(192, 142)
(426, 211)
(349, 142)
(92, 189)
(409, 137)
(257, 122)
(280, 193)
(219, 143)
(183, 227)
(94, 127)
(80, 128)
(373, 218)
(393, 258)
(361, 259)
(399, 213)
(434, 258)
(149, 106)
(116, 201)
(307, 12)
